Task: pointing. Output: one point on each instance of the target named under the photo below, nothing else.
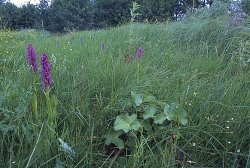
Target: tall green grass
(196, 62)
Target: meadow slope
(199, 63)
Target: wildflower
(46, 72)
(139, 53)
(31, 57)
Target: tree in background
(68, 15)
(56, 16)
(111, 12)
(42, 16)
(8, 16)
(2, 1)
(246, 6)
(26, 18)
(160, 10)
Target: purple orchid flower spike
(46, 72)
(139, 53)
(31, 57)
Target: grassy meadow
(200, 63)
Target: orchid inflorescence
(46, 72)
(139, 53)
(31, 57)
(45, 67)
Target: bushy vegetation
(64, 15)
(246, 6)
(198, 66)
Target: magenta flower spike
(46, 72)
(139, 53)
(31, 57)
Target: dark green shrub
(246, 6)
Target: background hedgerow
(198, 63)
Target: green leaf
(146, 125)
(137, 98)
(133, 95)
(184, 121)
(127, 123)
(149, 99)
(149, 112)
(160, 118)
(181, 117)
(136, 125)
(175, 113)
(169, 112)
(113, 137)
(129, 103)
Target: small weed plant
(150, 118)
